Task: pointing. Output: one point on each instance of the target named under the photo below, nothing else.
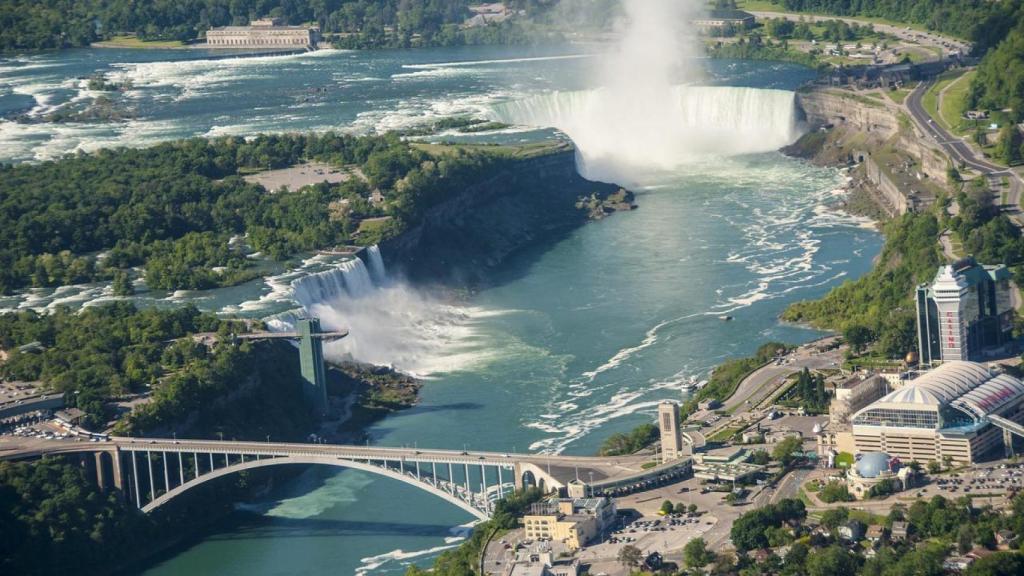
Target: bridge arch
(311, 459)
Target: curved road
(962, 152)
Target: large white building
(943, 414)
(267, 33)
(966, 309)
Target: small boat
(725, 318)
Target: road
(757, 386)
(962, 152)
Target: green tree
(787, 450)
(630, 556)
(696, 553)
(832, 561)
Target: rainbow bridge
(151, 472)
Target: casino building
(966, 309)
(945, 413)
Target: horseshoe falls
(616, 133)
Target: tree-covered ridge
(173, 208)
(34, 24)
(53, 520)
(881, 300)
(984, 22)
(106, 353)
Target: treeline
(54, 521)
(108, 353)
(996, 27)
(881, 301)
(173, 208)
(938, 528)
(37, 24)
(984, 22)
(629, 442)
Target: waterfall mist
(646, 112)
(390, 323)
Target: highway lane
(962, 152)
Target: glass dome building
(946, 413)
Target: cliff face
(460, 240)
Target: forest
(174, 208)
(40, 24)
(111, 353)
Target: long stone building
(267, 33)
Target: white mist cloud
(646, 113)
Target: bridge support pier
(101, 474)
(115, 458)
(1007, 443)
(135, 478)
(167, 477)
(152, 486)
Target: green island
(173, 209)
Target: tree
(965, 539)
(696, 553)
(667, 507)
(835, 491)
(998, 564)
(787, 450)
(122, 284)
(834, 517)
(858, 337)
(630, 556)
(692, 508)
(832, 561)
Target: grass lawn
(930, 101)
(725, 434)
(952, 104)
(900, 95)
(133, 42)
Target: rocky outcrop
(461, 240)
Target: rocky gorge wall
(901, 166)
(527, 201)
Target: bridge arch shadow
(313, 460)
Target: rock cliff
(459, 241)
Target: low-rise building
(899, 531)
(723, 19)
(574, 522)
(268, 33)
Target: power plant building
(264, 34)
(953, 412)
(966, 309)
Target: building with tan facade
(264, 34)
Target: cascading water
(389, 322)
(660, 131)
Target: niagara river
(569, 341)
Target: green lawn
(133, 42)
(931, 97)
(900, 95)
(952, 104)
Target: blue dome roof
(872, 464)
